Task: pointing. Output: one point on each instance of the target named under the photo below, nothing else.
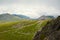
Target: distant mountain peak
(46, 17)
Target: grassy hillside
(20, 30)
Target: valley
(20, 30)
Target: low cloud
(32, 8)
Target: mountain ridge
(21, 16)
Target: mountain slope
(8, 17)
(51, 31)
(22, 16)
(22, 30)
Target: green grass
(7, 25)
(27, 32)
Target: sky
(31, 8)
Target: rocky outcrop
(51, 31)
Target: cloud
(32, 8)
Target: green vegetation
(20, 30)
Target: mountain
(8, 17)
(51, 31)
(46, 17)
(21, 16)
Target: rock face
(51, 31)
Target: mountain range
(12, 17)
(16, 17)
(22, 16)
(46, 17)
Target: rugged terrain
(51, 31)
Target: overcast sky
(31, 8)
